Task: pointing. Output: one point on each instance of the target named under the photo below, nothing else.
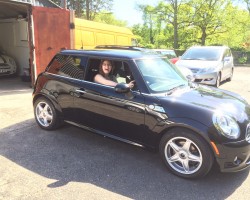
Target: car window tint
(66, 65)
(92, 69)
(122, 72)
(202, 54)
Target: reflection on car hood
(198, 103)
(197, 64)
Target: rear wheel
(218, 80)
(185, 153)
(231, 75)
(46, 115)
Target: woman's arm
(100, 79)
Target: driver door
(101, 108)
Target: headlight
(11, 61)
(226, 125)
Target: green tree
(88, 9)
(170, 11)
(208, 18)
(149, 17)
(109, 18)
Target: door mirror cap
(226, 59)
(190, 78)
(122, 88)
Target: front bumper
(6, 69)
(234, 157)
(208, 79)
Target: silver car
(7, 65)
(210, 64)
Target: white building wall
(14, 42)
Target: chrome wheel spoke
(46, 107)
(194, 158)
(45, 121)
(49, 117)
(186, 146)
(174, 146)
(40, 108)
(174, 158)
(185, 164)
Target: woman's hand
(131, 84)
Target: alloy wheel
(183, 155)
(44, 114)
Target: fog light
(237, 161)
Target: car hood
(197, 64)
(200, 103)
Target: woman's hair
(100, 67)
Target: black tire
(231, 75)
(46, 115)
(185, 153)
(218, 80)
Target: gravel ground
(70, 163)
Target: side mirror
(190, 78)
(226, 59)
(122, 88)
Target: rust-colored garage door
(51, 34)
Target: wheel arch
(40, 95)
(197, 128)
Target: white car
(210, 64)
(7, 65)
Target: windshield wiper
(172, 90)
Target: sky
(126, 10)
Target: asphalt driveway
(71, 163)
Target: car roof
(163, 50)
(112, 53)
(209, 47)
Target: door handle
(81, 91)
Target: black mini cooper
(193, 126)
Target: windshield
(169, 54)
(202, 54)
(160, 76)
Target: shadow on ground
(72, 154)
(13, 84)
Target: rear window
(68, 65)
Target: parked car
(169, 53)
(7, 65)
(210, 64)
(191, 125)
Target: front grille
(4, 73)
(248, 133)
(4, 66)
(197, 80)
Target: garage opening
(14, 38)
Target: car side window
(67, 65)
(123, 73)
(92, 69)
(120, 70)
